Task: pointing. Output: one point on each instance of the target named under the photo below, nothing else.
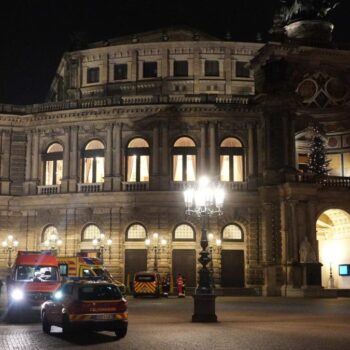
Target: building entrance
(135, 261)
(232, 268)
(184, 262)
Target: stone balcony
(49, 189)
(90, 187)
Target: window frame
(52, 157)
(149, 74)
(45, 229)
(176, 62)
(92, 72)
(115, 71)
(182, 239)
(232, 240)
(84, 229)
(92, 153)
(231, 152)
(208, 72)
(236, 69)
(184, 152)
(135, 239)
(138, 152)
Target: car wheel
(66, 326)
(46, 324)
(121, 331)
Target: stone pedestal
(311, 274)
(271, 286)
(5, 186)
(204, 308)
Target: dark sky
(35, 33)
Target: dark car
(97, 306)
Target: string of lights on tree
(318, 162)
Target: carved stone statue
(307, 253)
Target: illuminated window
(232, 232)
(231, 160)
(93, 75)
(303, 162)
(346, 164)
(136, 232)
(211, 68)
(184, 160)
(48, 232)
(335, 164)
(137, 167)
(93, 162)
(184, 232)
(53, 164)
(91, 232)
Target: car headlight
(58, 295)
(17, 295)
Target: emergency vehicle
(34, 278)
(82, 304)
(147, 283)
(86, 267)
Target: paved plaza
(245, 323)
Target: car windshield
(99, 272)
(144, 278)
(36, 273)
(99, 292)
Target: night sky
(34, 34)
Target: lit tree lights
(318, 163)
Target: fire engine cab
(34, 278)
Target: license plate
(104, 317)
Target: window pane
(237, 168)
(49, 173)
(100, 169)
(48, 232)
(346, 159)
(93, 75)
(177, 168)
(55, 147)
(335, 164)
(144, 171)
(231, 142)
(212, 68)
(242, 71)
(191, 168)
(184, 142)
(91, 232)
(184, 232)
(59, 171)
(232, 232)
(180, 68)
(138, 143)
(131, 176)
(120, 71)
(88, 170)
(225, 168)
(136, 232)
(149, 69)
(94, 144)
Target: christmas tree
(318, 163)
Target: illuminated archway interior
(333, 234)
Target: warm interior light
(94, 241)
(155, 236)
(15, 243)
(109, 241)
(102, 236)
(10, 238)
(203, 181)
(218, 242)
(59, 242)
(4, 244)
(46, 243)
(53, 237)
(210, 236)
(147, 242)
(163, 242)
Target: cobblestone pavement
(245, 323)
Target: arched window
(184, 232)
(91, 232)
(53, 164)
(136, 232)
(93, 162)
(231, 160)
(48, 232)
(232, 232)
(184, 159)
(137, 167)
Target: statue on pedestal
(307, 253)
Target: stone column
(74, 159)
(312, 234)
(197, 70)
(165, 176)
(212, 149)
(28, 172)
(35, 163)
(5, 162)
(251, 151)
(117, 156)
(294, 237)
(203, 149)
(134, 65)
(155, 159)
(228, 71)
(66, 152)
(108, 159)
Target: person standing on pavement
(180, 284)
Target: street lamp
(156, 244)
(53, 242)
(9, 245)
(100, 244)
(214, 247)
(203, 200)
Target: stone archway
(333, 235)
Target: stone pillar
(312, 234)
(134, 65)
(28, 172)
(212, 149)
(251, 151)
(197, 70)
(66, 153)
(5, 162)
(34, 163)
(165, 177)
(74, 159)
(203, 149)
(155, 159)
(107, 186)
(228, 71)
(117, 156)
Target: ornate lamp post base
(204, 308)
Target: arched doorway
(333, 234)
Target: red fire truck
(34, 278)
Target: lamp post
(53, 242)
(100, 245)
(156, 244)
(9, 245)
(214, 246)
(202, 201)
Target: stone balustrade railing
(89, 188)
(324, 181)
(49, 189)
(135, 186)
